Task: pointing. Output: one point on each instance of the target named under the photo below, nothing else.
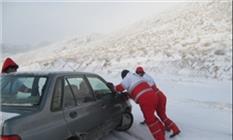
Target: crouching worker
(142, 93)
(161, 111)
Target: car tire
(126, 122)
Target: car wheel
(126, 122)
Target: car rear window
(21, 90)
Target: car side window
(68, 96)
(80, 90)
(99, 87)
(57, 96)
(41, 84)
(28, 82)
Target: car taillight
(10, 137)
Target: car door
(110, 106)
(81, 110)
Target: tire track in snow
(122, 136)
(118, 136)
(134, 135)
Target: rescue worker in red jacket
(142, 93)
(7, 86)
(9, 66)
(169, 124)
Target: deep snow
(188, 52)
(202, 109)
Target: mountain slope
(192, 41)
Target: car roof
(50, 73)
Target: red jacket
(8, 63)
(135, 85)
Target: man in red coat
(142, 93)
(9, 66)
(7, 86)
(169, 124)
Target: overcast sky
(35, 22)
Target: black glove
(111, 86)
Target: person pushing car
(161, 111)
(141, 92)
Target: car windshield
(21, 90)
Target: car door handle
(73, 114)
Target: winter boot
(175, 130)
(172, 126)
(143, 122)
(157, 130)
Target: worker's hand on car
(27, 90)
(125, 92)
(111, 86)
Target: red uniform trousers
(149, 103)
(161, 112)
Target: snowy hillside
(194, 41)
(183, 49)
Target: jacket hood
(8, 63)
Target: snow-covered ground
(188, 51)
(202, 109)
